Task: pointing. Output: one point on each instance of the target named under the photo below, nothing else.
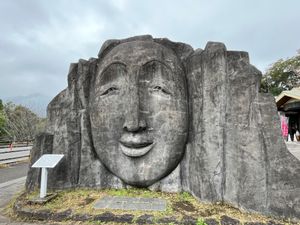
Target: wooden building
(288, 104)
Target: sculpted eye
(110, 90)
(162, 90)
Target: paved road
(294, 148)
(12, 181)
(12, 172)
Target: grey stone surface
(226, 220)
(131, 203)
(211, 222)
(154, 113)
(41, 201)
(145, 219)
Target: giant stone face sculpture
(157, 114)
(139, 112)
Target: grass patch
(200, 221)
(82, 200)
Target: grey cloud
(39, 39)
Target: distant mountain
(35, 102)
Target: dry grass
(178, 205)
(3, 166)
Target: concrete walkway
(8, 190)
(294, 148)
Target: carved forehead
(137, 53)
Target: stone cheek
(147, 106)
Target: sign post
(46, 161)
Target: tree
(2, 119)
(282, 75)
(21, 124)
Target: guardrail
(15, 154)
(19, 144)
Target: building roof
(287, 95)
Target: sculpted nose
(134, 121)
(134, 125)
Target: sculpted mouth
(135, 149)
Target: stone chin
(148, 173)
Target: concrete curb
(8, 183)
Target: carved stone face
(139, 112)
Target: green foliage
(185, 196)
(282, 75)
(2, 119)
(200, 221)
(2, 123)
(18, 123)
(41, 125)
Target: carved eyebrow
(109, 65)
(158, 61)
(105, 78)
(168, 76)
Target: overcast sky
(40, 38)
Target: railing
(16, 144)
(14, 154)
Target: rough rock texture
(154, 113)
(235, 139)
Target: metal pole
(43, 190)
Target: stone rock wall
(234, 152)
(235, 138)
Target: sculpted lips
(135, 145)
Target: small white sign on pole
(46, 161)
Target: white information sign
(48, 161)
(44, 162)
